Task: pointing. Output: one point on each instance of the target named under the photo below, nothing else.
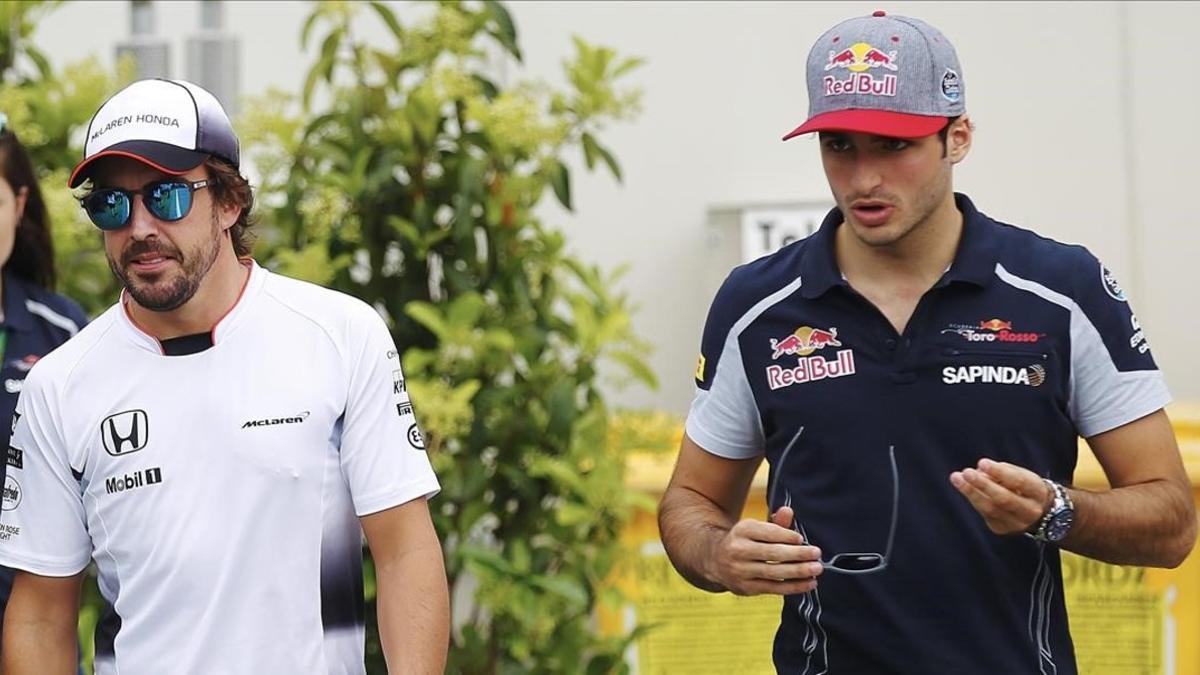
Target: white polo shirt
(218, 490)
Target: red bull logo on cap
(804, 341)
(859, 58)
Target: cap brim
(878, 122)
(170, 159)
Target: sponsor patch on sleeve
(1110, 284)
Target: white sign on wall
(766, 230)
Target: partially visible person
(33, 318)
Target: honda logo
(125, 432)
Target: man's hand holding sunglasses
(756, 557)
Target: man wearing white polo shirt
(217, 442)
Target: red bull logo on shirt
(859, 59)
(811, 369)
(804, 341)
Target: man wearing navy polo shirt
(917, 375)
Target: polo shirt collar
(974, 263)
(16, 314)
(818, 268)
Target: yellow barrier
(1124, 620)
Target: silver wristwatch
(1057, 521)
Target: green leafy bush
(415, 187)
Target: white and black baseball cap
(881, 74)
(170, 125)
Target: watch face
(1059, 525)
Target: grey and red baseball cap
(170, 125)
(886, 75)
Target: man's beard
(164, 297)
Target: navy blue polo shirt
(1022, 346)
(35, 322)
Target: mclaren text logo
(131, 481)
(1032, 376)
(125, 432)
(272, 421)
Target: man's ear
(227, 214)
(958, 139)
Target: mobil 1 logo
(133, 480)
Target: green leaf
(520, 557)
(636, 367)
(39, 61)
(565, 588)
(627, 65)
(310, 81)
(329, 50)
(429, 316)
(557, 470)
(572, 514)
(485, 559)
(464, 312)
(388, 18)
(590, 148)
(487, 86)
(611, 162)
(306, 29)
(506, 30)
(560, 181)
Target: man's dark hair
(230, 187)
(945, 132)
(32, 256)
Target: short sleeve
(43, 527)
(382, 449)
(1114, 379)
(724, 418)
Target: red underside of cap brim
(877, 122)
(174, 162)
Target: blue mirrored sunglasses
(166, 200)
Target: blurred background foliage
(407, 174)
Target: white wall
(1086, 120)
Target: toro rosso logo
(992, 330)
(859, 58)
